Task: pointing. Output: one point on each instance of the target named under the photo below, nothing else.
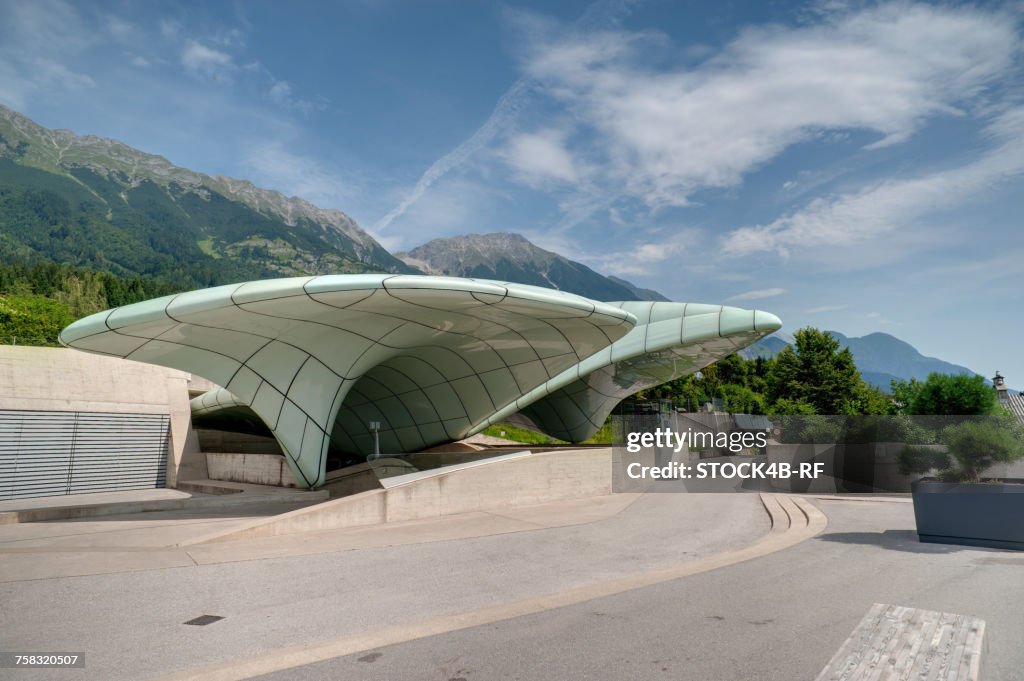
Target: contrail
(515, 99)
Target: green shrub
(972, 446)
(32, 320)
(952, 394)
(923, 459)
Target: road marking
(793, 521)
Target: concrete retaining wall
(256, 469)
(534, 479)
(236, 443)
(61, 379)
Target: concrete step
(208, 487)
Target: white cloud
(273, 166)
(202, 59)
(662, 135)
(758, 294)
(40, 48)
(506, 110)
(541, 157)
(280, 91)
(636, 259)
(878, 318)
(121, 30)
(826, 308)
(889, 206)
(170, 28)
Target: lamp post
(375, 427)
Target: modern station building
(338, 367)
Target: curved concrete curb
(504, 481)
(793, 520)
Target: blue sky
(855, 166)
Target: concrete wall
(256, 469)
(236, 443)
(61, 379)
(197, 385)
(535, 479)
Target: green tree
(903, 394)
(742, 400)
(731, 369)
(83, 294)
(875, 401)
(954, 394)
(32, 320)
(819, 373)
(787, 407)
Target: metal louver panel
(50, 453)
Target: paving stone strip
(894, 643)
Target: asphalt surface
(131, 624)
(777, 618)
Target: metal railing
(26, 340)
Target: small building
(76, 423)
(1012, 401)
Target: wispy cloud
(758, 294)
(280, 93)
(663, 134)
(633, 259)
(878, 318)
(507, 109)
(39, 46)
(505, 112)
(889, 206)
(206, 60)
(541, 157)
(272, 165)
(826, 308)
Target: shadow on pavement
(899, 540)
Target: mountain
(767, 347)
(881, 353)
(95, 202)
(640, 293)
(510, 257)
(880, 357)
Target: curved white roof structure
(670, 340)
(433, 359)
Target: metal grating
(52, 453)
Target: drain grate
(203, 620)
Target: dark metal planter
(989, 514)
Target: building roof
(1015, 402)
(753, 422)
(431, 359)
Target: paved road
(777, 618)
(130, 624)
